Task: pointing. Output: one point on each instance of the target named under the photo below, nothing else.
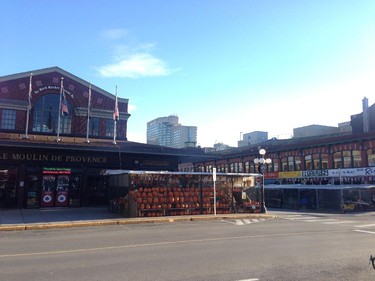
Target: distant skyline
(224, 66)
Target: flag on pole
(28, 107)
(89, 104)
(30, 90)
(88, 115)
(64, 103)
(116, 115)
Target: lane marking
(365, 231)
(252, 279)
(239, 222)
(72, 251)
(320, 220)
(291, 216)
(301, 218)
(337, 222)
(365, 225)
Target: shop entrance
(8, 192)
(60, 188)
(55, 191)
(97, 194)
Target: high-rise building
(166, 131)
(253, 138)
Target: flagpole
(88, 115)
(59, 113)
(28, 108)
(115, 120)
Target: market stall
(154, 194)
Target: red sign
(47, 199)
(61, 199)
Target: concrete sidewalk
(31, 219)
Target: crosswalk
(328, 221)
(356, 225)
(317, 219)
(244, 221)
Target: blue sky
(223, 66)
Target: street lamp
(262, 162)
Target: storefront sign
(354, 172)
(292, 174)
(52, 157)
(57, 171)
(315, 173)
(52, 87)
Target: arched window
(45, 117)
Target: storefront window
(8, 119)
(371, 157)
(297, 162)
(32, 194)
(316, 162)
(284, 164)
(236, 167)
(357, 159)
(347, 159)
(8, 188)
(337, 160)
(247, 167)
(290, 163)
(275, 165)
(324, 159)
(308, 162)
(252, 167)
(209, 168)
(46, 115)
(240, 168)
(226, 168)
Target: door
(48, 191)
(55, 191)
(8, 188)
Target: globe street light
(262, 162)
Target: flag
(64, 103)
(116, 115)
(89, 104)
(88, 115)
(28, 107)
(30, 90)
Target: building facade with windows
(346, 157)
(43, 91)
(253, 138)
(167, 131)
(51, 159)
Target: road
(293, 246)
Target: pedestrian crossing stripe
(243, 221)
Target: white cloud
(130, 58)
(136, 66)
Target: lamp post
(262, 162)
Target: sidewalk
(31, 219)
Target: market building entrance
(54, 187)
(8, 187)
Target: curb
(125, 221)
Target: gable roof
(64, 73)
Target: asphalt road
(294, 246)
